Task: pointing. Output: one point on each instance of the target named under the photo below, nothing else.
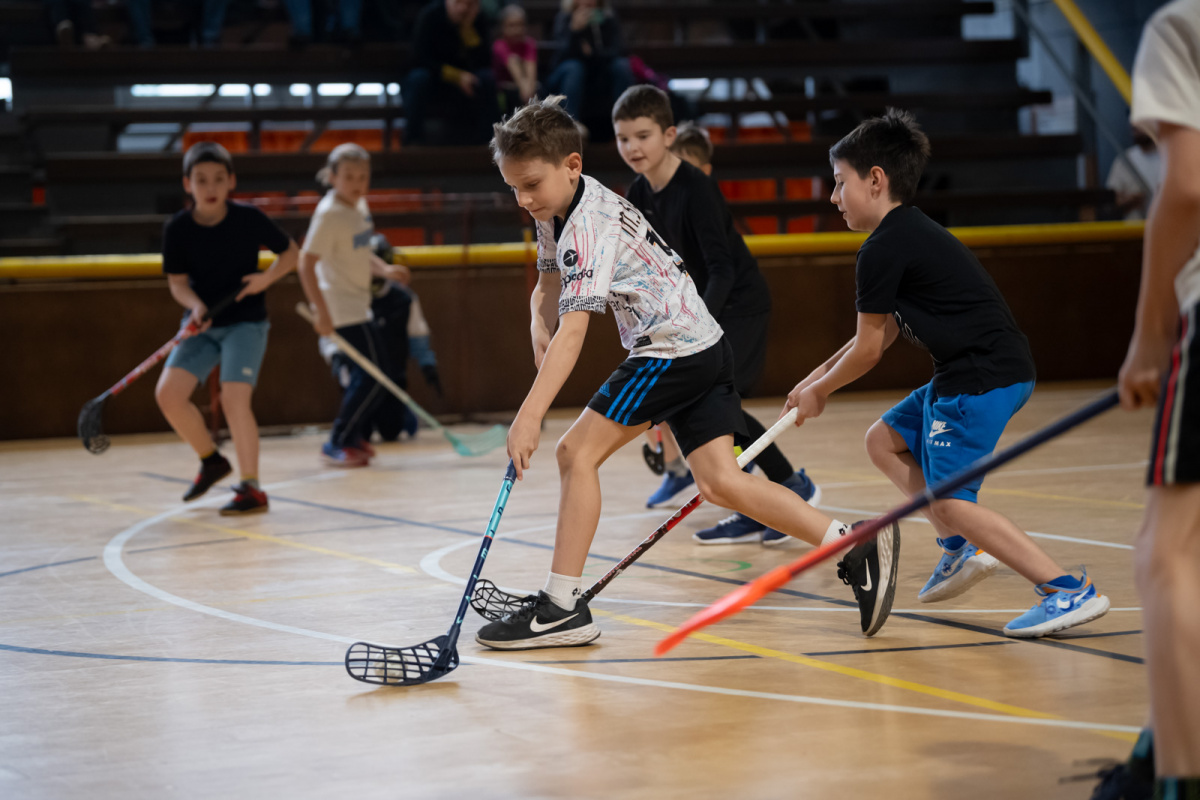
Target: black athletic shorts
(694, 394)
(1175, 449)
(748, 338)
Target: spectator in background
(71, 17)
(591, 69)
(514, 58)
(343, 24)
(693, 145)
(212, 19)
(453, 52)
(1132, 201)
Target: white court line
(1054, 536)
(116, 565)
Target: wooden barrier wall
(65, 342)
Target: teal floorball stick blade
(478, 444)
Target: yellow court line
(262, 537)
(229, 604)
(764, 652)
(852, 672)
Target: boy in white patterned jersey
(595, 250)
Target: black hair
(895, 143)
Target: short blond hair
(342, 153)
(540, 129)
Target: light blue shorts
(238, 348)
(947, 434)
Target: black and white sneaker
(540, 623)
(870, 571)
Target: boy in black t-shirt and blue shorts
(209, 251)
(595, 252)
(914, 278)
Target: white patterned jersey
(607, 254)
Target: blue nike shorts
(946, 434)
(238, 348)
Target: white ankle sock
(563, 590)
(678, 467)
(836, 531)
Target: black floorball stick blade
(654, 459)
(493, 603)
(401, 666)
(91, 425)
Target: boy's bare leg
(891, 456)
(1167, 570)
(243, 427)
(174, 396)
(580, 452)
(723, 483)
(988, 529)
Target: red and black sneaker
(246, 500)
(212, 469)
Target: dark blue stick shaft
(497, 511)
(956, 481)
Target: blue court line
(907, 649)
(107, 657)
(1099, 635)
(965, 626)
(139, 550)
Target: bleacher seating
(771, 153)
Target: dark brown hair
(644, 100)
(895, 143)
(539, 129)
(694, 139)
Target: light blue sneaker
(1062, 606)
(957, 571)
(671, 486)
(809, 492)
(734, 529)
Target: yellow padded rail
(444, 256)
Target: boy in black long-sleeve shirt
(685, 207)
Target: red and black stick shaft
(188, 330)
(748, 455)
(751, 592)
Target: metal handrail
(1081, 95)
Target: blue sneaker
(671, 486)
(734, 529)
(957, 571)
(1060, 608)
(809, 492)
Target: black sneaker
(246, 500)
(540, 623)
(870, 571)
(211, 471)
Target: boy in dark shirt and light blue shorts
(915, 279)
(210, 251)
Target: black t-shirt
(691, 215)
(944, 301)
(216, 257)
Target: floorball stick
(753, 591)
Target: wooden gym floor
(150, 649)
